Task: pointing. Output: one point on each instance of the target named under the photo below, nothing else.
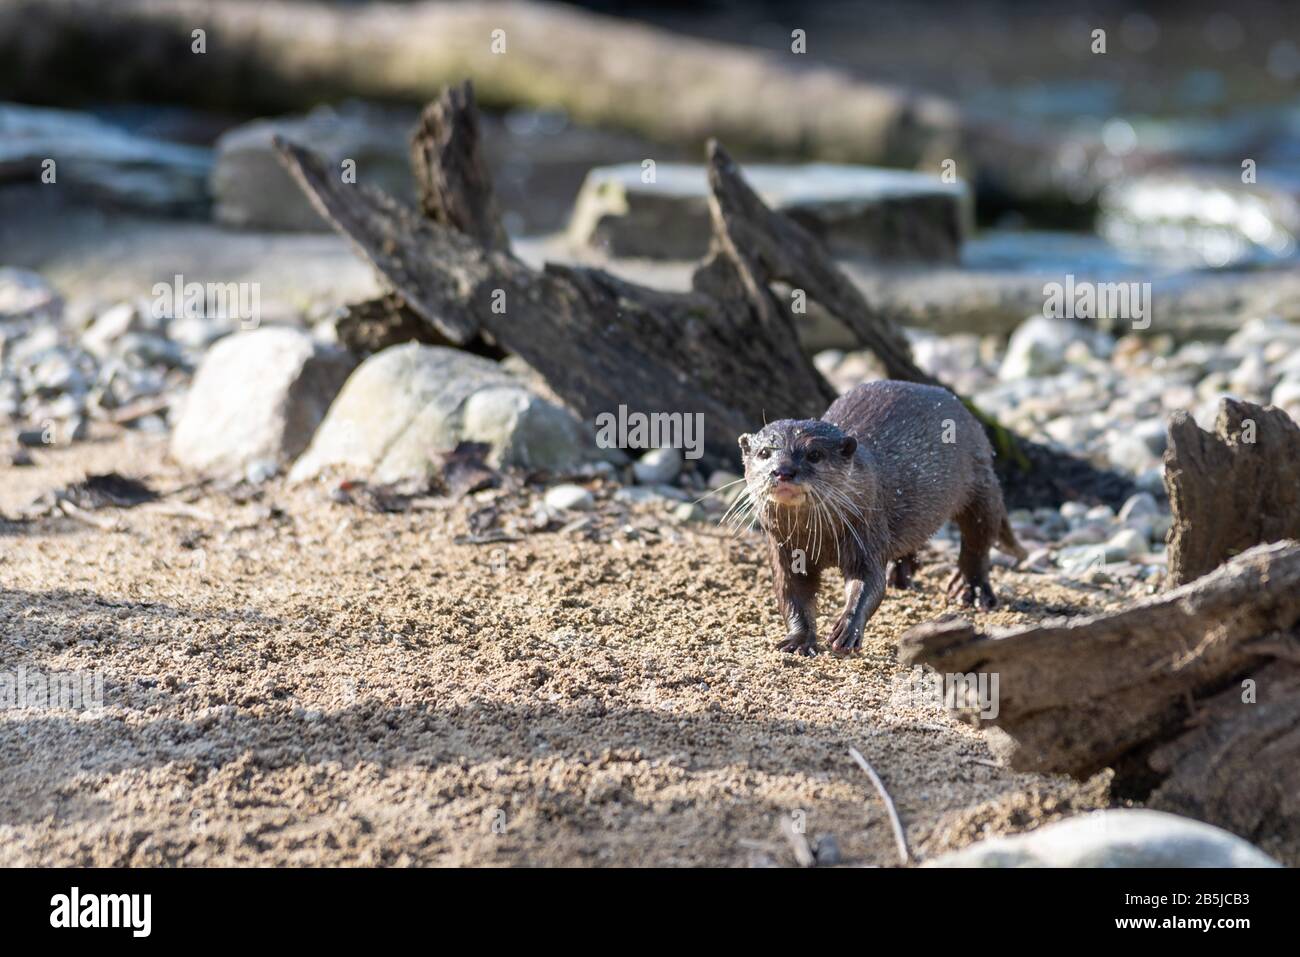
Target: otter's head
(790, 459)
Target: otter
(868, 484)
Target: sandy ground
(289, 680)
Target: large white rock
(1121, 837)
(856, 210)
(257, 396)
(409, 403)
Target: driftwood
(1230, 489)
(727, 348)
(1191, 695)
(599, 341)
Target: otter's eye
(764, 453)
(814, 456)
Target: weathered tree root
(727, 349)
(1232, 488)
(1192, 696)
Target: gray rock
(856, 210)
(650, 494)
(1100, 513)
(260, 470)
(26, 295)
(406, 404)
(1127, 543)
(826, 850)
(1070, 431)
(1039, 560)
(56, 372)
(1139, 505)
(1039, 345)
(1252, 375)
(721, 478)
(1121, 837)
(257, 396)
(572, 498)
(197, 333)
(1087, 533)
(1286, 396)
(109, 327)
(1154, 434)
(252, 190)
(1073, 512)
(1127, 452)
(690, 512)
(1152, 480)
(150, 350)
(658, 466)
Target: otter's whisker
(717, 491)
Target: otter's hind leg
(979, 523)
(901, 572)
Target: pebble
(658, 466)
(690, 512)
(1072, 512)
(1100, 513)
(1127, 543)
(571, 498)
(109, 327)
(1127, 452)
(1141, 505)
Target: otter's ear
(744, 444)
(848, 446)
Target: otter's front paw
(978, 596)
(845, 638)
(799, 643)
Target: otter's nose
(784, 473)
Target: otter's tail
(1007, 542)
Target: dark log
(727, 349)
(374, 325)
(1231, 488)
(451, 175)
(600, 342)
(1155, 691)
(1239, 765)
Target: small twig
(894, 820)
(985, 762)
(133, 411)
(178, 510)
(81, 515)
(798, 843)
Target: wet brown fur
(886, 465)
